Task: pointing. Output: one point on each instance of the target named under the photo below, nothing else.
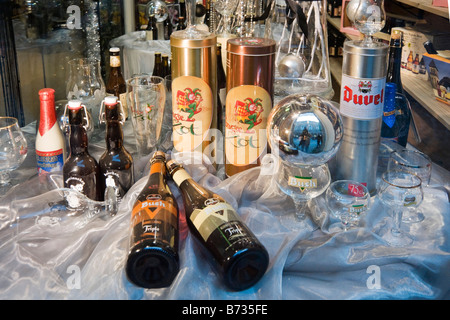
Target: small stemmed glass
(416, 162)
(399, 190)
(369, 18)
(347, 201)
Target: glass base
(398, 238)
(5, 178)
(412, 216)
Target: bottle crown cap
(171, 165)
(114, 49)
(46, 94)
(74, 104)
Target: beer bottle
(50, 141)
(81, 171)
(239, 257)
(116, 163)
(157, 66)
(165, 65)
(153, 257)
(116, 84)
(152, 30)
(221, 90)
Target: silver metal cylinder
(361, 106)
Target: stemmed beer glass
(398, 191)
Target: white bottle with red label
(50, 142)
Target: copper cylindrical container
(194, 93)
(250, 81)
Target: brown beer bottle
(158, 66)
(153, 258)
(116, 83)
(116, 163)
(81, 171)
(239, 257)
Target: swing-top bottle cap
(74, 104)
(111, 100)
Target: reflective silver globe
(305, 130)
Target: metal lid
(179, 39)
(356, 47)
(251, 46)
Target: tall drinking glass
(146, 98)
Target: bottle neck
(78, 139)
(47, 117)
(114, 132)
(184, 181)
(156, 175)
(393, 73)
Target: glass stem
(397, 222)
(301, 207)
(190, 12)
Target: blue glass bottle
(397, 112)
(396, 115)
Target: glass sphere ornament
(157, 8)
(304, 133)
(305, 129)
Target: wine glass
(86, 84)
(226, 8)
(347, 201)
(13, 148)
(191, 31)
(416, 162)
(302, 183)
(369, 18)
(399, 190)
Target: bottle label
(247, 109)
(49, 161)
(154, 219)
(114, 61)
(302, 183)
(192, 112)
(362, 98)
(219, 216)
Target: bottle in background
(221, 90)
(81, 171)
(396, 111)
(153, 257)
(116, 83)
(152, 30)
(158, 65)
(50, 141)
(116, 163)
(241, 260)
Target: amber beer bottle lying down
(153, 262)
